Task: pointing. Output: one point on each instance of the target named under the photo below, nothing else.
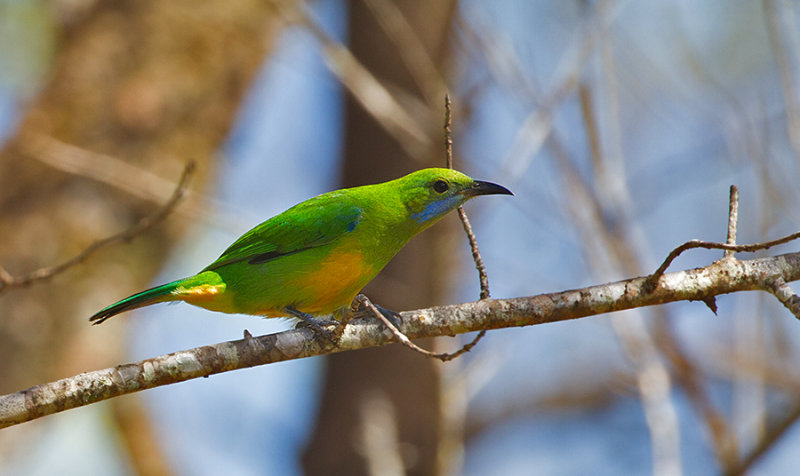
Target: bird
(314, 258)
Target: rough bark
(700, 284)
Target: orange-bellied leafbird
(315, 257)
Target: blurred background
(619, 126)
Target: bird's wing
(310, 224)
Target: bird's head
(429, 194)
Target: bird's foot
(361, 308)
(317, 325)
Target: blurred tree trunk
(151, 83)
(402, 384)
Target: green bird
(315, 257)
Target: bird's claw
(316, 325)
(393, 316)
(318, 328)
(361, 309)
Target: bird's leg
(361, 309)
(315, 324)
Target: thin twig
(476, 254)
(448, 131)
(462, 215)
(653, 279)
(8, 281)
(444, 357)
(733, 218)
(473, 242)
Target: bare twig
(8, 281)
(654, 278)
(733, 218)
(462, 215)
(403, 339)
(448, 131)
(721, 277)
(473, 242)
(476, 255)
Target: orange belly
(336, 282)
(329, 285)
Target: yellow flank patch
(202, 292)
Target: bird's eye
(440, 186)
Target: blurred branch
(368, 90)
(122, 175)
(782, 30)
(584, 394)
(773, 434)
(380, 442)
(610, 204)
(8, 281)
(505, 66)
(410, 47)
(726, 364)
(101, 167)
(721, 277)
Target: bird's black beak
(486, 188)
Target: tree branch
(653, 279)
(721, 277)
(8, 281)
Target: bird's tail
(154, 295)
